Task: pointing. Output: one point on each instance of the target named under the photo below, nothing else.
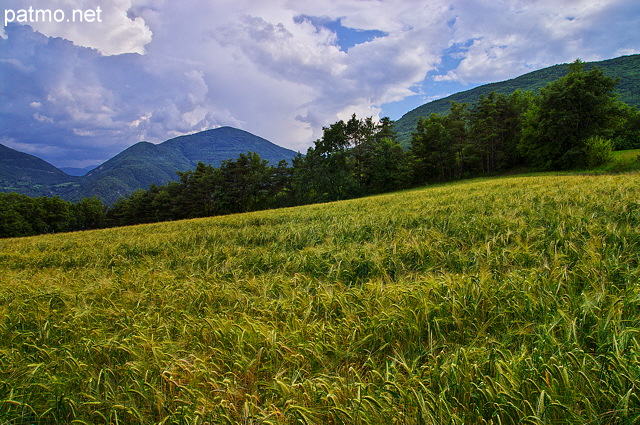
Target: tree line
(574, 122)
(21, 215)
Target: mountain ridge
(137, 167)
(627, 68)
(27, 174)
(75, 171)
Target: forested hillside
(626, 68)
(30, 175)
(137, 167)
(144, 164)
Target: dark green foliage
(353, 158)
(21, 215)
(574, 122)
(469, 141)
(496, 123)
(386, 167)
(248, 183)
(566, 114)
(329, 167)
(628, 136)
(432, 150)
(626, 68)
(598, 151)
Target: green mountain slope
(214, 146)
(30, 175)
(627, 68)
(137, 167)
(144, 164)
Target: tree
(566, 114)
(13, 219)
(197, 191)
(457, 123)
(495, 123)
(90, 213)
(387, 167)
(432, 151)
(21, 215)
(628, 135)
(351, 159)
(244, 184)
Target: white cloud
(514, 37)
(196, 64)
(100, 25)
(42, 118)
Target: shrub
(598, 151)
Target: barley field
(496, 301)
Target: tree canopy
(566, 114)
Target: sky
(77, 93)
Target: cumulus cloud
(509, 38)
(79, 101)
(154, 69)
(104, 26)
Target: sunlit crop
(502, 301)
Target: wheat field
(513, 300)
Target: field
(492, 301)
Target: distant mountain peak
(137, 167)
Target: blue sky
(75, 94)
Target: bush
(598, 151)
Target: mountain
(626, 68)
(24, 173)
(137, 167)
(144, 164)
(74, 171)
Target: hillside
(27, 174)
(75, 171)
(627, 68)
(144, 164)
(137, 167)
(511, 300)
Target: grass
(622, 161)
(495, 301)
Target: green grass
(624, 161)
(494, 301)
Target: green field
(627, 160)
(504, 301)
